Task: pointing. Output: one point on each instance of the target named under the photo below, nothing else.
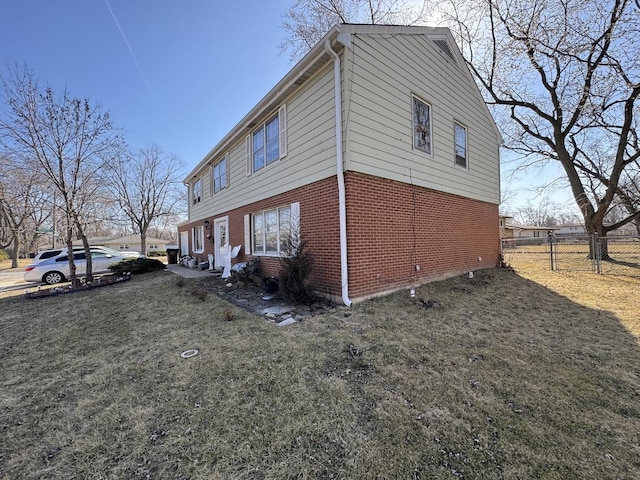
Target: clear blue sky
(176, 73)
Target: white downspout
(342, 204)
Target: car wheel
(52, 278)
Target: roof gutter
(342, 204)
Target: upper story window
(220, 175)
(268, 143)
(197, 191)
(460, 138)
(421, 126)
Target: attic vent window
(444, 46)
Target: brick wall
(319, 225)
(394, 226)
(391, 226)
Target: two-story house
(378, 148)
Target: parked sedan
(62, 251)
(56, 269)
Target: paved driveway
(12, 279)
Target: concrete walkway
(187, 272)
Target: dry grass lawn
(509, 375)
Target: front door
(184, 243)
(221, 240)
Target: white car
(56, 269)
(62, 251)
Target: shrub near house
(137, 265)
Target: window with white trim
(124, 246)
(268, 143)
(265, 145)
(196, 191)
(460, 139)
(421, 125)
(197, 239)
(219, 175)
(270, 229)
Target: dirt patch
(253, 298)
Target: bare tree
(23, 206)
(66, 139)
(309, 20)
(544, 213)
(563, 78)
(147, 186)
(630, 196)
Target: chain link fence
(604, 255)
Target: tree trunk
(88, 260)
(600, 246)
(143, 241)
(73, 278)
(15, 253)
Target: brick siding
(392, 227)
(395, 226)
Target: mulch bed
(101, 281)
(250, 295)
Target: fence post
(597, 253)
(550, 236)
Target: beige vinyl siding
(385, 72)
(199, 210)
(310, 151)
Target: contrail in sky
(124, 38)
(135, 61)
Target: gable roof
(339, 36)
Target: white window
(197, 191)
(270, 229)
(124, 246)
(460, 138)
(268, 143)
(421, 126)
(220, 175)
(197, 239)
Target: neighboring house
(506, 230)
(576, 229)
(128, 242)
(628, 230)
(528, 231)
(571, 229)
(409, 195)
